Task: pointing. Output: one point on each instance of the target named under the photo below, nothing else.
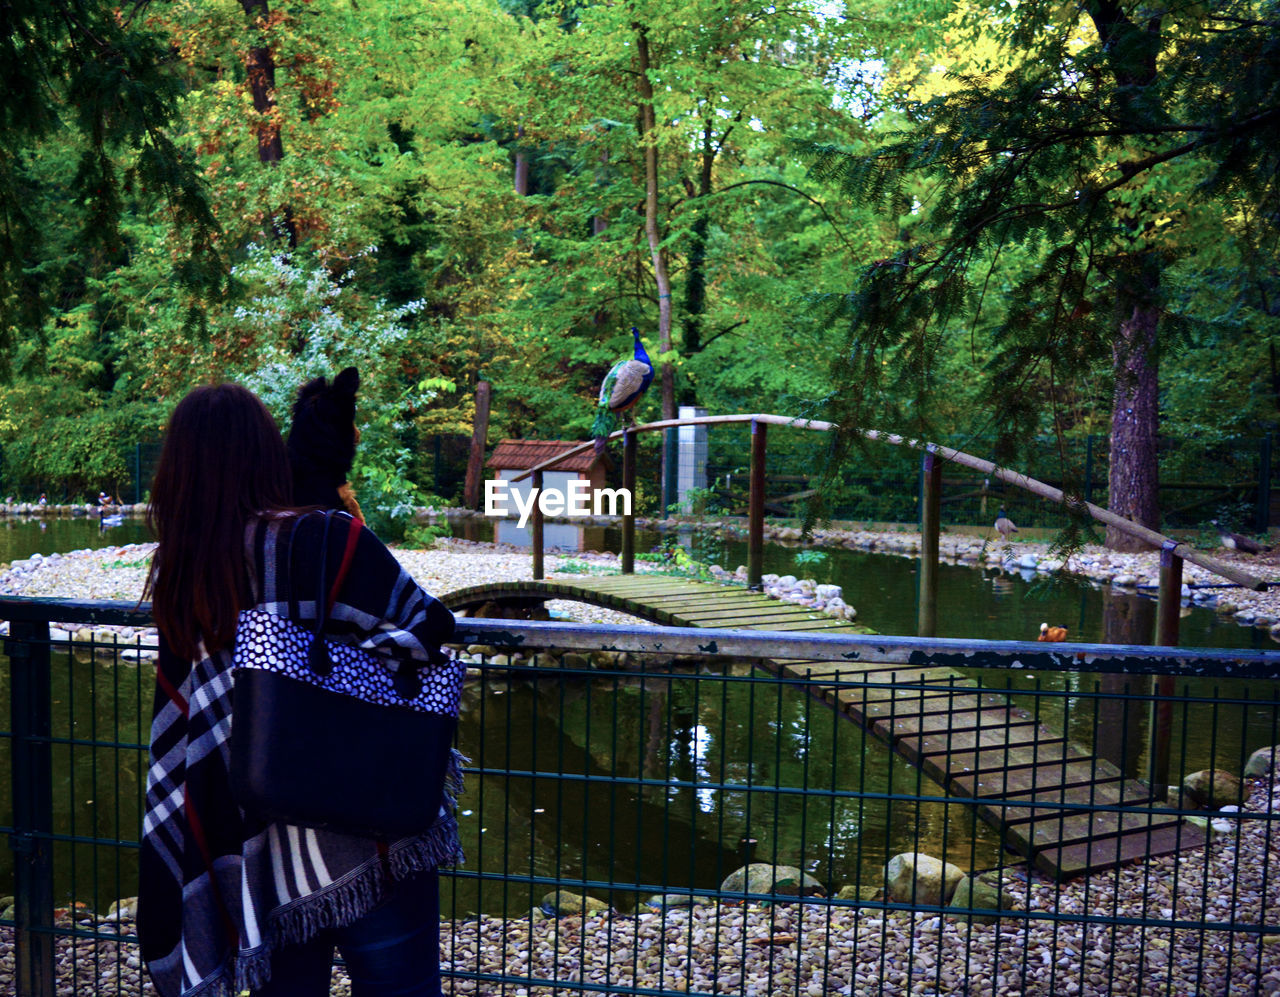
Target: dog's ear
(316, 386)
(347, 382)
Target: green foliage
(424, 535)
(850, 230)
(1043, 188)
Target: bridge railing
(933, 456)
(621, 776)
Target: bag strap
(348, 555)
(318, 655)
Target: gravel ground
(1050, 947)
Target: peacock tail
(605, 422)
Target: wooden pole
(629, 517)
(535, 539)
(1168, 614)
(479, 436)
(755, 506)
(930, 527)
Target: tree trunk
(695, 295)
(522, 165)
(649, 144)
(260, 65)
(1133, 474)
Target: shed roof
(520, 455)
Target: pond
(619, 741)
(20, 537)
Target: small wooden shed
(511, 457)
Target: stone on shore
(763, 877)
(978, 892)
(1262, 762)
(914, 877)
(1213, 788)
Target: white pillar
(691, 461)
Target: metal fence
(652, 811)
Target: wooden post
(629, 486)
(479, 435)
(535, 528)
(930, 515)
(755, 506)
(1168, 612)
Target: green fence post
(1264, 486)
(32, 779)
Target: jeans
(393, 951)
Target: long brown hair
(223, 463)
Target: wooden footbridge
(1028, 781)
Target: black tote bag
(311, 756)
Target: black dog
(322, 442)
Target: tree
(1099, 144)
(85, 68)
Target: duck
(1004, 525)
(1234, 541)
(1055, 634)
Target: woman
(227, 903)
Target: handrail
(855, 649)
(1155, 539)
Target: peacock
(626, 381)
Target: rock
(575, 659)
(851, 892)
(562, 902)
(763, 877)
(661, 901)
(1125, 581)
(914, 877)
(1212, 788)
(829, 592)
(973, 892)
(126, 907)
(1262, 762)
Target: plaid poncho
(218, 890)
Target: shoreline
(1134, 573)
